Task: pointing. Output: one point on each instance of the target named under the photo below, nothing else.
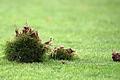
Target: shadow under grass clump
(26, 47)
(61, 53)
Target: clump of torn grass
(27, 46)
(116, 56)
(62, 53)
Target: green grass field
(91, 27)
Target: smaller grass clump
(116, 56)
(61, 53)
(26, 47)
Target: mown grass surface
(92, 27)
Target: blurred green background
(91, 27)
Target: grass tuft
(26, 47)
(61, 53)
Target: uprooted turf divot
(116, 56)
(61, 53)
(27, 47)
